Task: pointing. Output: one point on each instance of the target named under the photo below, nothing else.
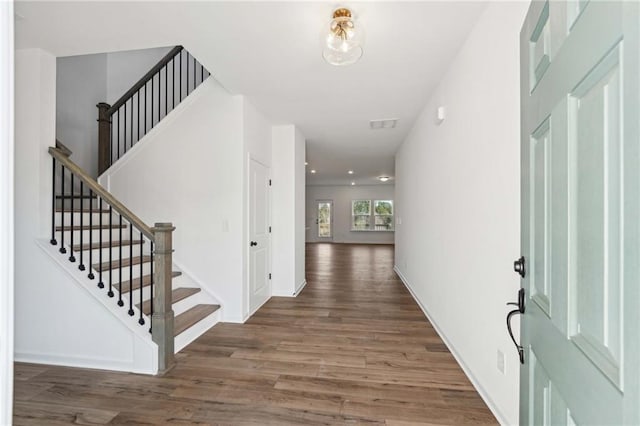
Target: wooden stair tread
(177, 295)
(146, 280)
(88, 228)
(104, 244)
(192, 316)
(128, 261)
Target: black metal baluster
(120, 302)
(187, 89)
(194, 72)
(62, 249)
(131, 269)
(145, 108)
(53, 204)
(100, 282)
(72, 258)
(81, 266)
(159, 95)
(110, 292)
(131, 125)
(138, 123)
(181, 76)
(151, 285)
(111, 139)
(91, 276)
(152, 83)
(166, 90)
(201, 73)
(141, 320)
(173, 83)
(118, 156)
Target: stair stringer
(131, 347)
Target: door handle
(253, 243)
(519, 266)
(519, 311)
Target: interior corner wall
(6, 212)
(342, 195)
(458, 201)
(81, 83)
(288, 174)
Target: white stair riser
(198, 329)
(115, 273)
(189, 302)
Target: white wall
(458, 198)
(342, 197)
(288, 191)
(56, 320)
(188, 170)
(81, 83)
(124, 69)
(84, 81)
(6, 212)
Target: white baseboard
(302, 285)
(80, 362)
(479, 388)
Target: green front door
(580, 162)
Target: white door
(324, 220)
(259, 236)
(580, 159)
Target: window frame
(372, 216)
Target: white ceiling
(271, 52)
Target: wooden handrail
(62, 147)
(60, 155)
(124, 98)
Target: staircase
(127, 260)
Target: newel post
(162, 319)
(104, 137)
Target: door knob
(253, 243)
(519, 267)
(519, 311)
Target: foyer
(352, 348)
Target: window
(366, 218)
(361, 215)
(383, 215)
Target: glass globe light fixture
(344, 39)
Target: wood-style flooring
(352, 348)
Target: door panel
(580, 208)
(324, 219)
(260, 244)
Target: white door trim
(331, 216)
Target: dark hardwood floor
(352, 348)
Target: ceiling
(271, 53)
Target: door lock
(253, 243)
(519, 266)
(519, 311)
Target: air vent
(387, 123)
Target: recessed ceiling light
(353, 183)
(384, 178)
(306, 164)
(350, 172)
(385, 123)
(313, 171)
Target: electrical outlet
(501, 366)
